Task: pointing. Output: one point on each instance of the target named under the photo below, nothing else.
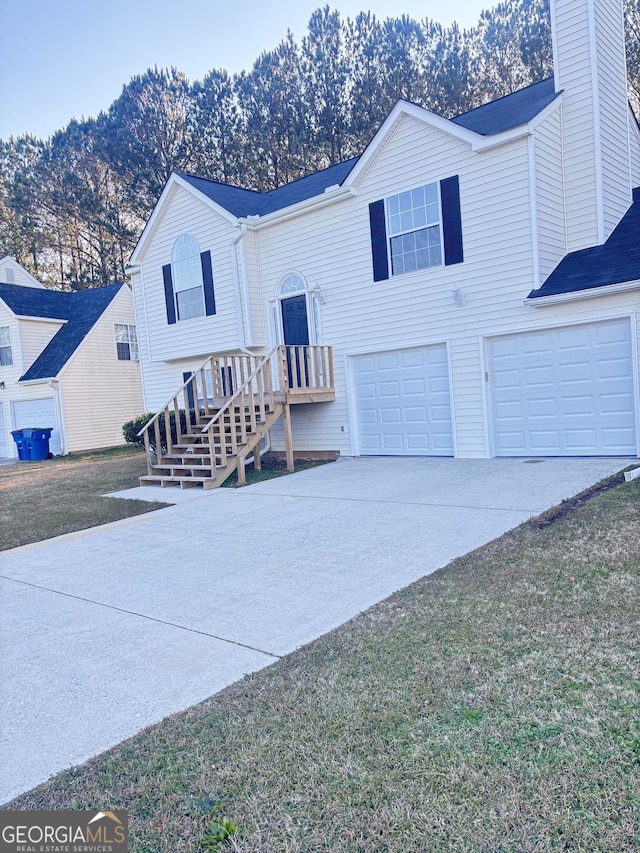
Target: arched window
(187, 278)
(291, 283)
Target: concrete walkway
(108, 630)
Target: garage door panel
(411, 358)
(574, 393)
(578, 406)
(391, 416)
(403, 403)
(416, 415)
(413, 386)
(614, 368)
(616, 404)
(387, 362)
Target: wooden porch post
(288, 440)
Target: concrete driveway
(108, 630)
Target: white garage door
(38, 413)
(564, 392)
(403, 403)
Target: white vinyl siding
(403, 403)
(552, 244)
(360, 315)
(100, 392)
(634, 138)
(596, 152)
(564, 391)
(34, 337)
(613, 105)
(201, 335)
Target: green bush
(131, 429)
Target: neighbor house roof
(614, 262)
(79, 310)
(496, 117)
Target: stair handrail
(173, 396)
(261, 364)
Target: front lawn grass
(492, 706)
(39, 500)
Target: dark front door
(296, 333)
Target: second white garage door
(404, 403)
(564, 392)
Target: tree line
(73, 206)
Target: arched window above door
(291, 283)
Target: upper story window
(416, 229)
(6, 356)
(188, 281)
(126, 342)
(415, 238)
(187, 278)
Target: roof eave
(520, 131)
(586, 293)
(36, 381)
(330, 196)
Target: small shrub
(131, 429)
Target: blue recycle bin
(32, 444)
(21, 444)
(38, 442)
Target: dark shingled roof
(511, 111)
(81, 309)
(241, 202)
(616, 261)
(495, 117)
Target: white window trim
(390, 236)
(8, 346)
(128, 326)
(175, 278)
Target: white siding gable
(188, 214)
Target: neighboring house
(477, 279)
(67, 361)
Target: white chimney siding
(590, 68)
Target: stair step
(183, 482)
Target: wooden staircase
(219, 416)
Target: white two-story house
(474, 282)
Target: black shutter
(190, 398)
(207, 280)
(451, 221)
(378, 241)
(168, 294)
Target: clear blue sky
(70, 58)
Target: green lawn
(492, 706)
(39, 500)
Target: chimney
(590, 67)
